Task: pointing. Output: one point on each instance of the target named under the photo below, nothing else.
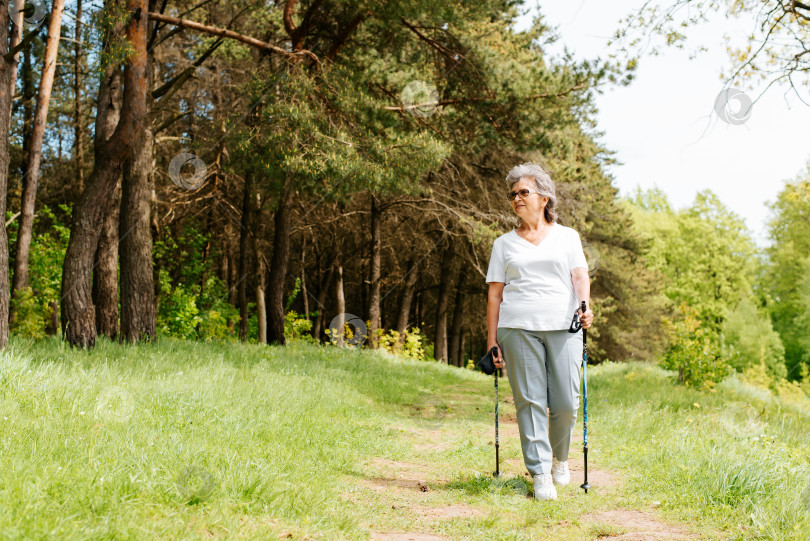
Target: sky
(663, 126)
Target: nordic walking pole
(585, 486)
(497, 472)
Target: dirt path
(416, 491)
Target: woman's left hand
(586, 318)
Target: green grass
(192, 440)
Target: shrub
(185, 313)
(408, 344)
(790, 391)
(297, 327)
(695, 352)
(34, 305)
(214, 326)
(28, 318)
(751, 334)
(758, 375)
(178, 315)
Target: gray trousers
(544, 370)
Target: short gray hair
(543, 182)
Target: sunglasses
(524, 193)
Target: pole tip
(496, 474)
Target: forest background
(282, 171)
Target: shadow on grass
(480, 484)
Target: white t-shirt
(538, 295)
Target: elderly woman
(537, 278)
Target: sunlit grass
(193, 440)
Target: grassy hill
(186, 440)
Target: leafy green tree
(751, 333)
(786, 280)
(710, 268)
(704, 251)
(696, 352)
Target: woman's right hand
(497, 356)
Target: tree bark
(261, 308)
(27, 83)
(304, 293)
(16, 38)
(458, 320)
(407, 298)
(105, 271)
(78, 311)
(278, 267)
(244, 253)
(440, 341)
(340, 328)
(461, 353)
(78, 128)
(138, 309)
(324, 287)
(376, 253)
(8, 70)
(34, 157)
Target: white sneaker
(559, 472)
(544, 487)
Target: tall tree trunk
(324, 287)
(407, 297)
(458, 320)
(418, 310)
(78, 128)
(440, 341)
(244, 253)
(105, 271)
(261, 309)
(304, 292)
(233, 276)
(28, 89)
(461, 353)
(138, 309)
(8, 70)
(376, 252)
(340, 328)
(78, 312)
(34, 157)
(278, 267)
(16, 38)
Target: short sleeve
(497, 265)
(576, 256)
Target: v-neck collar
(518, 235)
